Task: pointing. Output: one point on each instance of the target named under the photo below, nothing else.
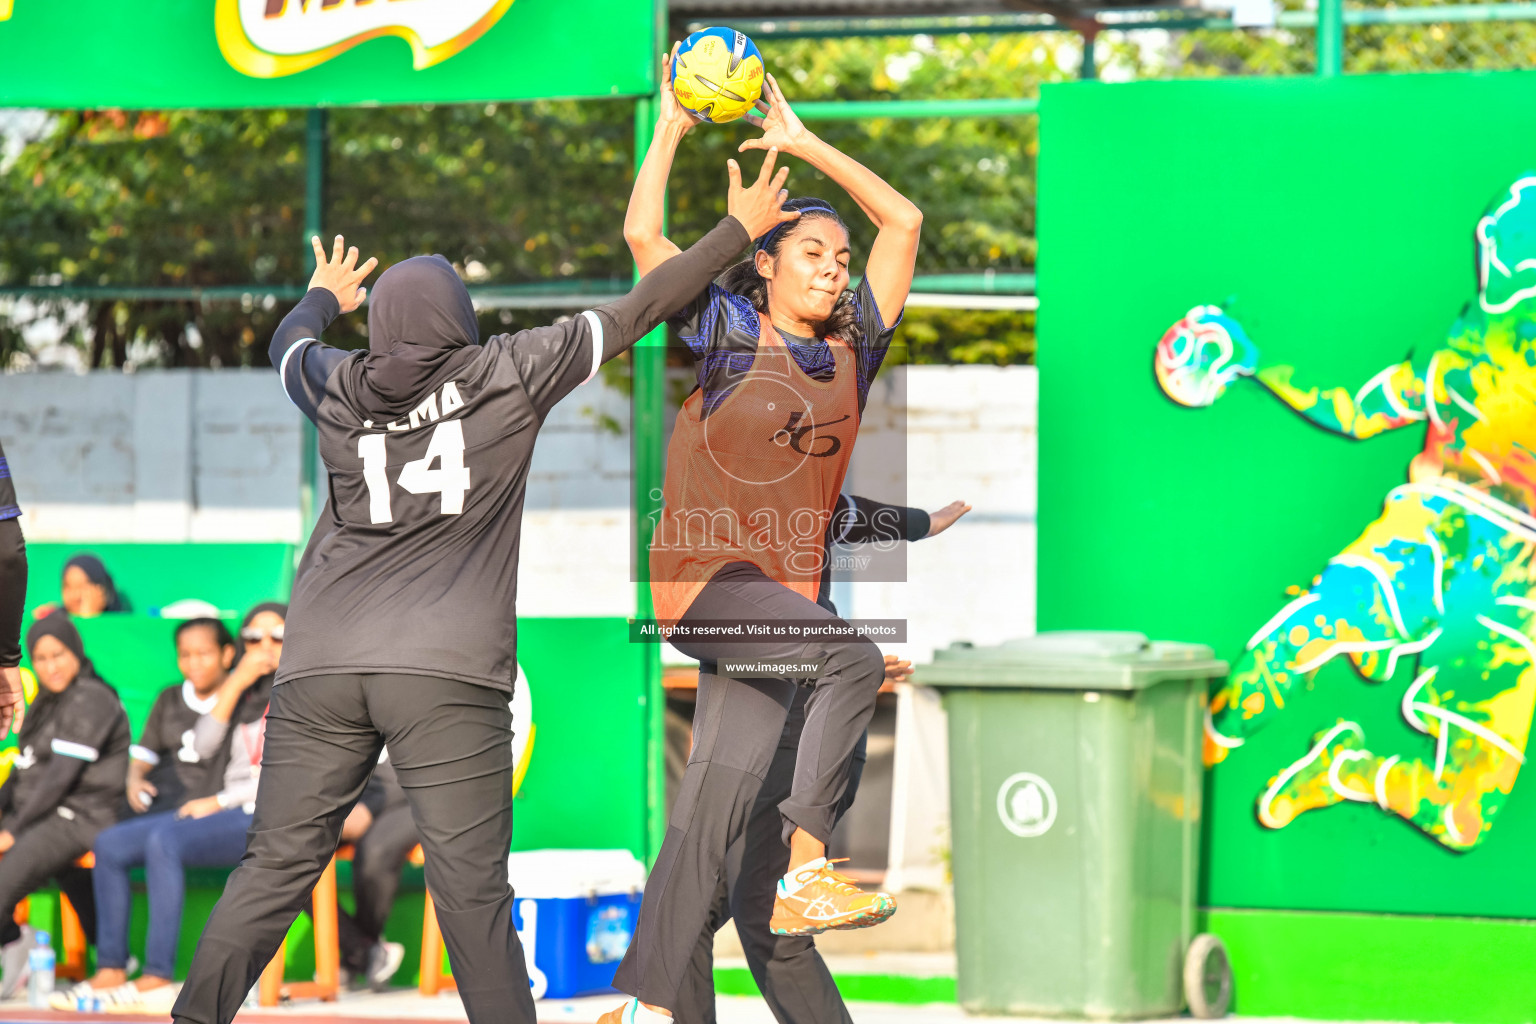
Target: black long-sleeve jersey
(73, 758)
(412, 567)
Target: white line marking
(1514, 634)
(1217, 738)
(1346, 757)
(1455, 397)
(1411, 647)
(1429, 391)
(1380, 574)
(1381, 780)
(1350, 647)
(1450, 825)
(1487, 503)
(1281, 616)
(1413, 691)
(1280, 780)
(597, 344)
(80, 751)
(1518, 602)
(1439, 557)
(1489, 472)
(1462, 722)
(282, 367)
(1490, 256)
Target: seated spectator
(65, 787)
(197, 827)
(205, 831)
(166, 768)
(243, 698)
(244, 694)
(88, 590)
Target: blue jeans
(164, 845)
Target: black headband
(762, 243)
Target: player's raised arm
(893, 256)
(755, 210)
(553, 361)
(648, 200)
(335, 288)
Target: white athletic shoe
(384, 959)
(13, 964)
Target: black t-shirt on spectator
(166, 743)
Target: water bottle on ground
(40, 963)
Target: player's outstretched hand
(896, 669)
(760, 206)
(672, 112)
(945, 517)
(781, 126)
(340, 275)
(13, 701)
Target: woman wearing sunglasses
(243, 696)
(197, 829)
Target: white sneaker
(13, 964)
(384, 959)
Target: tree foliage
(536, 192)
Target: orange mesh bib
(757, 480)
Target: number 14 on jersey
(450, 479)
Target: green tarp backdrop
(1334, 219)
(269, 53)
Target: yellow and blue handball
(718, 74)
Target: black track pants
(377, 861)
(48, 849)
(450, 743)
(737, 726)
(789, 972)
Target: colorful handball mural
(1435, 602)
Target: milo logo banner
(272, 38)
(245, 53)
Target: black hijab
(57, 625)
(421, 332)
(96, 572)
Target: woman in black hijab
(88, 590)
(67, 782)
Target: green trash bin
(1075, 781)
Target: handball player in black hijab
(401, 628)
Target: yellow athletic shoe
(821, 899)
(630, 1012)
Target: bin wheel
(1207, 977)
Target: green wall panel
(1378, 967)
(232, 577)
(1334, 220)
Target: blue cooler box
(575, 911)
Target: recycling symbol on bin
(1026, 804)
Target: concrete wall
(970, 435)
(172, 455)
(215, 455)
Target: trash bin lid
(1070, 660)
